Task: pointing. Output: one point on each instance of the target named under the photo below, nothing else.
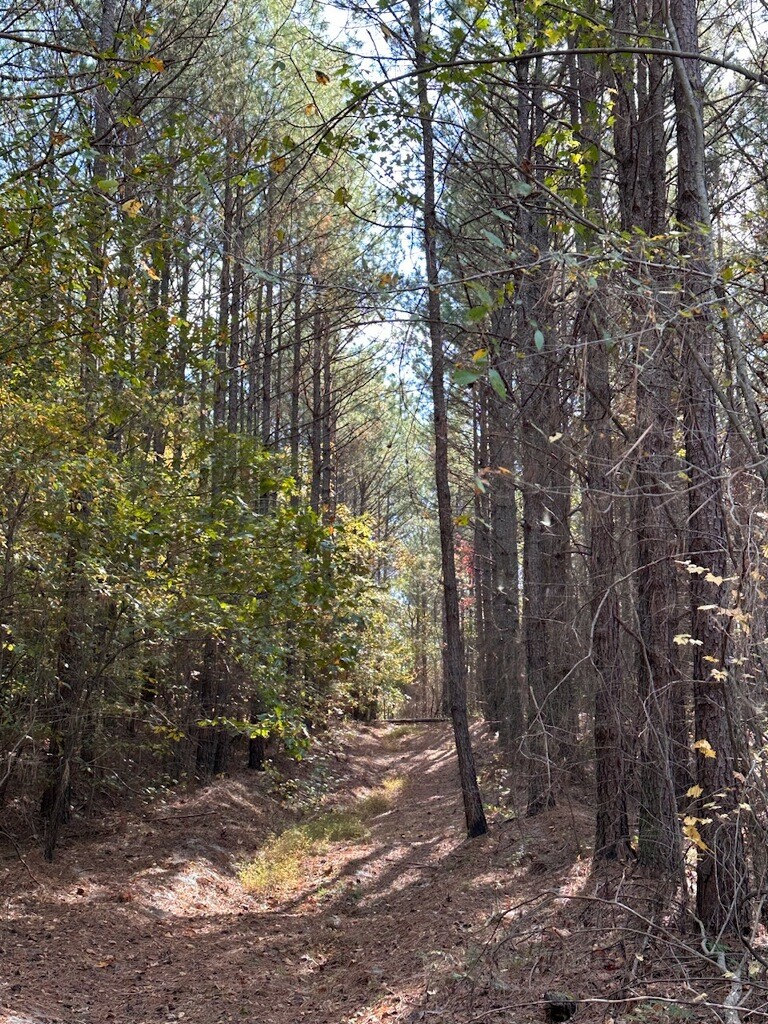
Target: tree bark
(539, 402)
(721, 876)
(611, 823)
(503, 626)
(74, 653)
(453, 653)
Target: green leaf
(538, 340)
(496, 382)
(465, 376)
(495, 241)
(482, 293)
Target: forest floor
(143, 916)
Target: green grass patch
(279, 865)
(335, 827)
(380, 800)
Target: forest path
(142, 918)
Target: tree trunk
(640, 144)
(539, 395)
(453, 653)
(611, 824)
(503, 628)
(722, 881)
(296, 377)
(318, 334)
(73, 656)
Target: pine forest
(383, 511)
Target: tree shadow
(407, 924)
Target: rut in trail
(143, 919)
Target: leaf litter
(144, 916)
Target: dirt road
(143, 919)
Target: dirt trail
(142, 918)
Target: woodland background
(422, 357)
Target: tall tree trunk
(235, 316)
(318, 335)
(611, 824)
(212, 739)
(295, 440)
(74, 655)
(640, 144)
(453, 653)
(326, 430)
(722, 881)
(503, 628)
(539, 395)
(658, 830)
(267, 351)
(482, 564)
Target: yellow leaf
(692, 568)
(704, 747)
(685, 639)
(151, 272)
(479, 355)
(131, 207)
(711, 578)
(277, 164)
(321, 78)
(155, 64)
(310, 109)
(694, 791)
(694, 835)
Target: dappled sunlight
(389, 926)
(159, 895)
